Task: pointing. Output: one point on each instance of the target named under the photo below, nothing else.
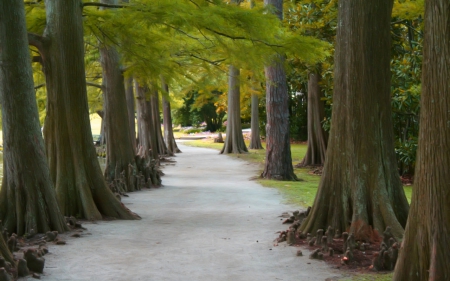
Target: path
(208, 222)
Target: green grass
(301, 193)
(369, 277)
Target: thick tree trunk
(424, 254)
(317, 137)
(234, 141)
(121, 170)
(278, 164)
(255, 139)
(147, 158)
(80, 187)
(360, 187)
(129, 93)
(172, 147)
(27, 199)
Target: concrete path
(208, 222)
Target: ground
(208, 222)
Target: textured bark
(156, 127)
(4, 250)
(27, 198)
(255, 139)
(129, 93)
(317, 137)
(360, 189)
(172, 147)
(234, 141)
(278, 164)
(80, 187)
(121, 170)
(424, 254)
(146, 158)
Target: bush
(406, 155)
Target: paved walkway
(208, 222)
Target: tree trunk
(255, 139)
(234, 141)
(424, 254)
(121, 170)
(317, 137)
(156, 120)
(278, 164)
(360, 189)
(27, 199)
(129, 93)
(80, 187)
(147, 158)
(172, 147)
(102, 139)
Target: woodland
(365, 83)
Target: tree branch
(37, 41)
(241, 38)
(96, 4)
(92, 84)
(39, 86)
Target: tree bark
(27, 199)
(172, 147)
(147, 157)
(234, 141)
(121, 170)
(424, 254)
(80, 187)
(156, 121)
(360, 189)
(129, 93)
(278, 164)
(255, 139)
(317, 137)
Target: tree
(27, 199)
(147, 153)
(424, 252)
(172, 147)
(234, 142)
(278, 164)
(80, 187)
(121, 169)
(317, 137)
(129, 93)
(161, 147)
(360, 187)
(255, 139)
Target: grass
(370, 277)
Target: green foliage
(199, 107)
